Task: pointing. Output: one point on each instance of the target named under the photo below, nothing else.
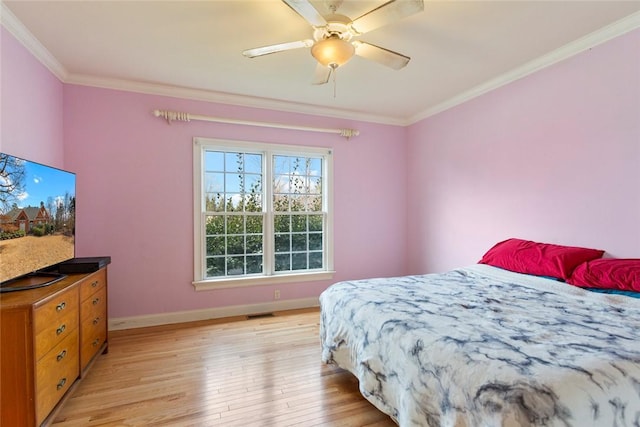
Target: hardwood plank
(263, 371)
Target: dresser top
(20, 299)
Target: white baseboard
(119, 323)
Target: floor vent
(259, 316)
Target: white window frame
(200, 145)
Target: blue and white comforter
(480, 346)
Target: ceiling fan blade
(265, 50)
(381, 55)
(389, 12)
(305, 9)
(321, 74)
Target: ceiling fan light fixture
(332, 51)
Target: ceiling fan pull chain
(334, 83)
(334, 71)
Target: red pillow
(608, 273)
(540, 259)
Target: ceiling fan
(333, 41)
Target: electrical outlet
(276, 294)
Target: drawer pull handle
(96, 342)
(61, 383)
(61, 329)
(94, 284)
(96, 301)
(61, 356)
(96, 320)
(61, 306)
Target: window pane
(281, 223)
(235, 224)
(232, 203)
(235, 265)
(214, 161)
(233, 161)
(215, 267)
(254, 264)
(232, 183)
(315, 186)
(281, 184)
(213, 182)
(282, 242)
(298, 203)
(281, 203)
(254, 224)
(298, 185)
(299, 242)
(253, 183)
(253, 202)
(254, 245)
(253, 163)
(315, 222)
(215, 245)
(314, 203)
(315, 241)
(283, 262)
(315, 167)
(298, 223)
(215, 225)
(299, 261)
(214, 202)
(235, 245)
(315, 260)
(280, 165)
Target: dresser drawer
(93, 283)
(94, 306)
(55, 309)
(93, 312)
(55, 372)
(94, 334)
(60, 326)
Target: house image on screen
(26, 218)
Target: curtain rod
(170, 116)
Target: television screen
(37, 217)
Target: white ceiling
(193, 49)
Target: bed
(481, 346)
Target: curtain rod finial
(349, 133)
(170, 116)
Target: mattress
(480, 346)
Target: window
(262, 213)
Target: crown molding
(226, 98)
(593, 39)
(31, 43)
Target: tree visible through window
(298, 216)
(263, 210)
(234, 216)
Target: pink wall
(31, 105)
(553, 157)
(135, 195)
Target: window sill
(205, 285)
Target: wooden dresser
(49, 336)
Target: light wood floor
(256, 372)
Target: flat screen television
(37, 222)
